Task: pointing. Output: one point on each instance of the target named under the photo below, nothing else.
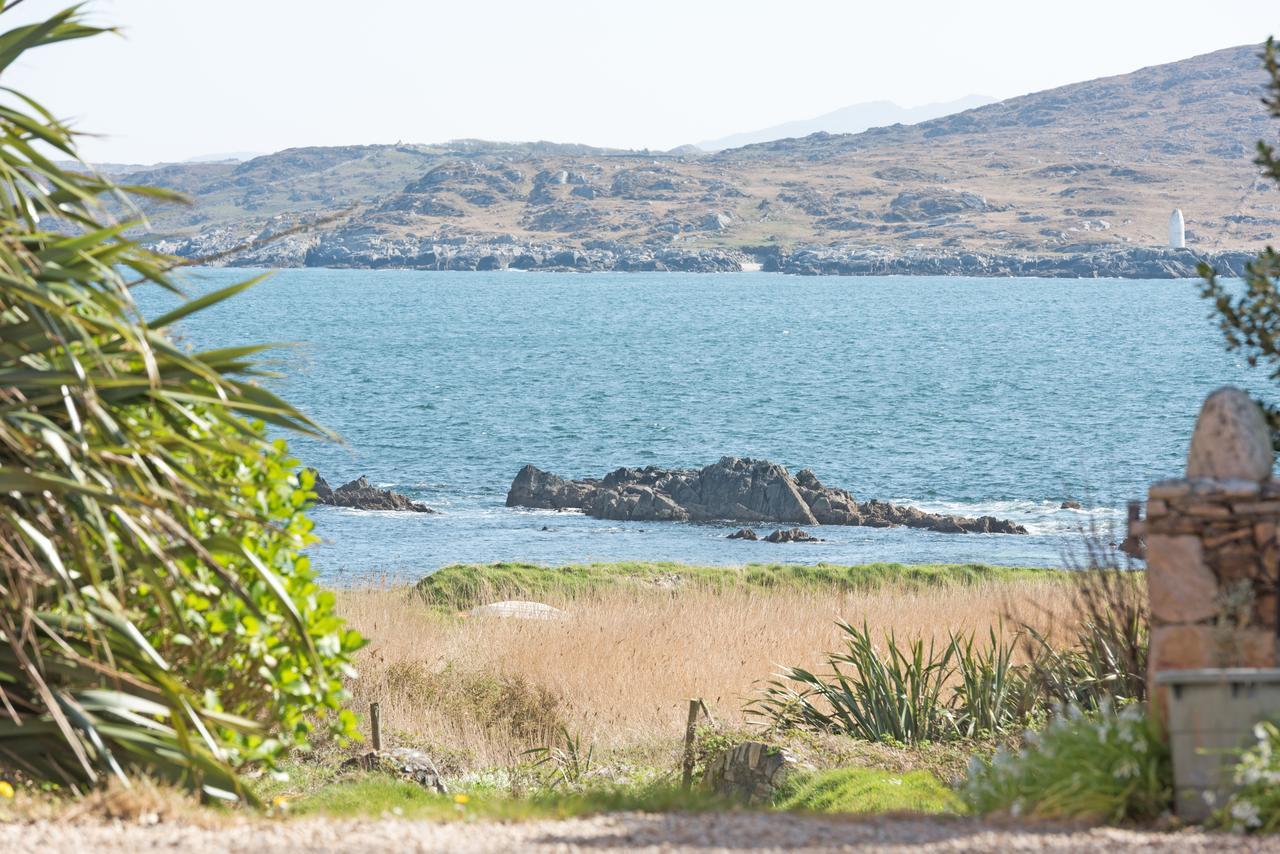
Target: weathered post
(690, 730)
(375, 724)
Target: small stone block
(1193, 647)
(1209, 511)
(1257, 508)
(1239, 488)
(1228, 537)
(1157, 507)
(1181, 586)
(1166, 490)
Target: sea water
(958, 395)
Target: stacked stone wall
(1213, 561)
(1213, 564)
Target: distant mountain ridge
(852, 119)
(1077, 180)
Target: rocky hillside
(1078, 180)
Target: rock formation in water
(731, 490)
(792, 535)
(360, 494)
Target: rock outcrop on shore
(732, 490)
(364, 248)
(360, 494)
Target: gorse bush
(1102, 765)
(157, 613)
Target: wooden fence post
(686, 781)
(375, 721)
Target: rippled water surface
(1000, 396)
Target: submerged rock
(734, 489)
(360, 494)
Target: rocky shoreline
(368, 249)
(732, 490)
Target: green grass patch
(463, 586)
(380, 794)
(867, 790)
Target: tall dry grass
(619, 671)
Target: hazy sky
(197, 77)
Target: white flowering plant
(1105, 765)
(1254, 807)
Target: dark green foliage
(155, 611)
(1250, 320)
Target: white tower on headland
(1177, 230)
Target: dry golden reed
(619, 670)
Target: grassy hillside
(464, 586)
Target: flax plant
(155, 613)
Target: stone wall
(750, 772)
(1213, 560)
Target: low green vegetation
(842, 790)
(1101, 766)
(1254, 807)
(380, 794)
(867, 790)
(464, 586)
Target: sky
(192, 78)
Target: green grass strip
(464, 586)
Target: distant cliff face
(1087, 170)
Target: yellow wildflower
(461, 799)
(6, 789)
(280, 802)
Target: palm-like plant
(155, 613)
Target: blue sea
(961, 395)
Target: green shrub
(867, 790)
(1101, 766)
(1255, 805)
(157, 613)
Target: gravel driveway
(619, 832)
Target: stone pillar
(1212, 556)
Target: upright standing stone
(1231, 441)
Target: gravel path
(627, 831)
